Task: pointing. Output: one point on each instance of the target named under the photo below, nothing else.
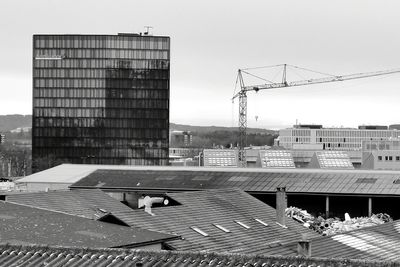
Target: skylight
(198, 230)
(263, 223)
(222, 228)
(242, 224)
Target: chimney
(281, 205)
(304, 247)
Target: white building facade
(343, 139)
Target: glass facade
(100, 99)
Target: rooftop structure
(331, 160)
(276, 159)
(220, 158)
(22, 225)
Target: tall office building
(100, 99)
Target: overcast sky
(211, 39)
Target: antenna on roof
(147, 31)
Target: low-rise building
(381, 154)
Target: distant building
(22, 130)
(372, 127)
(394, 127)
(100, 99)
(181, 138)
(342, 139)
(381, 155)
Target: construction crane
(242, 94)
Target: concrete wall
(40, 187)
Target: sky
(211, 40)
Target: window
(397, 158)
(222, 228)
(263, 223)
(242, 224)
(390, 158)
(196, 229)
(380, 158)
(386, 158)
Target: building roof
(224, 220)
(68, 257)
(21, 225)
(296, 181)
(91, 204)
(220, 157)
(276, 159)
(380, 242)
(64, 173)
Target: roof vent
(147, 202)
(304, 247)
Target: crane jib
(242, 94)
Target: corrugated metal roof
(202, 210)
(69, 257)
(25, 225)
(196, 218)
(381, 242)
(302, 181)
(91, 204)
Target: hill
(205, 129)
(10, 122)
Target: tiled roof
(26, 225)
(276, 159)
(249, 180)
(220, 157)
(68, 257)
(91, 204)
(381, 242)
(224, 220)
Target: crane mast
(242, 95)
